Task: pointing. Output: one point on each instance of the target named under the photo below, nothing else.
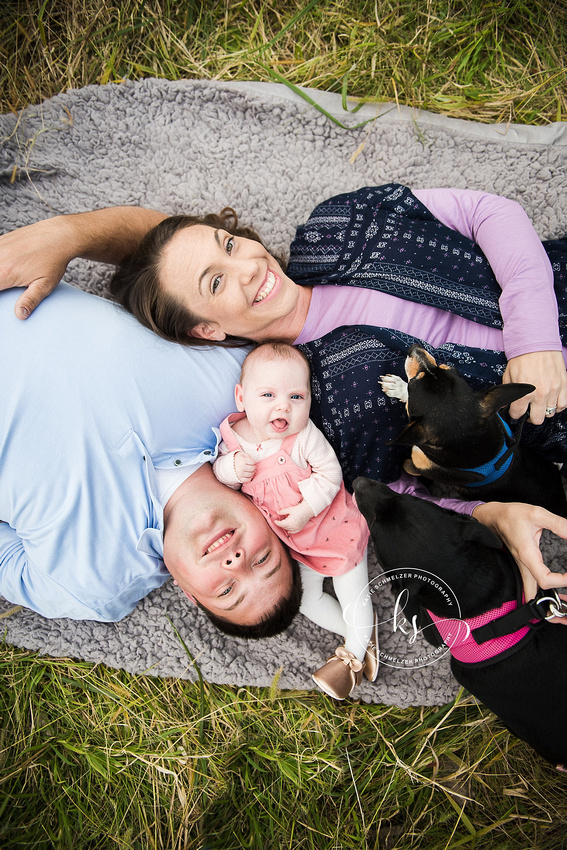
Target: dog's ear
(476, 532)
(502, 395)
(412, 435)
(413, 598)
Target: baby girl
(284, 463)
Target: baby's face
(276, 396)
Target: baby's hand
(296, 517)
(394, 387)
(244, 467)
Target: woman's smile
(232, 285)
(268, 288)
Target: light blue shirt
(91, 403)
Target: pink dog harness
(458, 635)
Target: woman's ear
(205, 331)
(238, 397)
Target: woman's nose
(247, 271)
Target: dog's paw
(394, 387)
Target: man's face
(220, 550)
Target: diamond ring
(549, 411)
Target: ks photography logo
(411, 648)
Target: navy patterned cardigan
(384, 238)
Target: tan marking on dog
(413, 367)
(410, 468)
(419, 461)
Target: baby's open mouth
(279, 424)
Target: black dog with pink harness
(504, 651)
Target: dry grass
(490, 61)
(94, 758)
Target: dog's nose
(415, 350)
(421, 359)
(361, 484)
(357, 483)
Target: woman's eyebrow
(208, 269)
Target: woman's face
(232, 284)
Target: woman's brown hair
(136, 284)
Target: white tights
(352, 616)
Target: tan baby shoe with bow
(340, 675)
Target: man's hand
(34, 257)
(546, 371)
(244, 467)
(519, 526)
(296, 517)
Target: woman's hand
(35, 257)
(546, 371)
(519, 526)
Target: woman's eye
(226, 591)
(215, 284)
(264, 559)
(229, 245)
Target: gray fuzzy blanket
(196, 147)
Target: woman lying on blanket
(371, 272)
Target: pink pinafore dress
(332, 542)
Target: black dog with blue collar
(495, 468)
(458, 437)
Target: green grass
(94, 758)
(489, 60)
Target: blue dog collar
(495, 468)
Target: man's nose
(234, 559)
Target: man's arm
(35, 257)
(13, 565)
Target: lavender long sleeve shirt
(504, 232)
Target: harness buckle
(556, 607)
